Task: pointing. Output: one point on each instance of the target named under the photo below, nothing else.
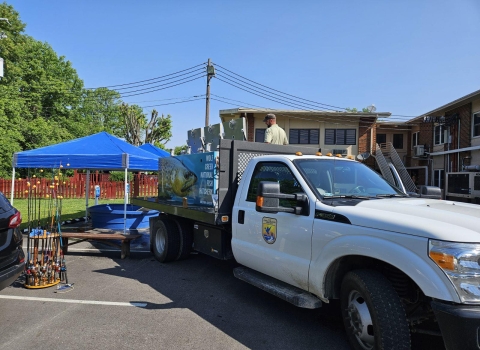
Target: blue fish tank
(111, 216)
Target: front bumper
(459, 324)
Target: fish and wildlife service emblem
(269, 230)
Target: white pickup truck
(313, 228)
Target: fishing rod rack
(45, 266)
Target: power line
(173, 103)
(141, 81)
(285, 100)
(196, 98)
(83, 91)
(199, 75)
(134, 86)
(280, 91)
(261, 95)
(169, 99)
(143, 93)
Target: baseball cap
(269, 116)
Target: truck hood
(431, 218)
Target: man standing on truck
(274, 134)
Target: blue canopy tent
(100, 151)
(155, 150)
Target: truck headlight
(461, 264)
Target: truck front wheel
(373, 313)
(166, 240)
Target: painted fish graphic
(175, 178)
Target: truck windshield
(333, 178)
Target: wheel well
(403, 284)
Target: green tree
(98, 110)
(42, 99)
(139, 130)
(179, 149)
(159, 129)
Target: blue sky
(407, 57)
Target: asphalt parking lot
(138, 303)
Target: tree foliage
(140, 130)
(179, 149)
(43, 101)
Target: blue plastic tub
(110, 216)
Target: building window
(260, 135)
(439, 135)
(439, 178)
(415, 138)
(398, 141)
(381, 138)
(340, 136)
(476, 124)
(304, 136)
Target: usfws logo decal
(269, 230)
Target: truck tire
(166, 240)
(373, 313)
(185, 231)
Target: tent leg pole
(13, 185)
(87, 193)
(125, 203)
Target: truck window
(272, 171)
(331, 177)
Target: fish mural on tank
(177, 178)
(191, 176)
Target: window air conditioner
(419, 151)
(463, 184)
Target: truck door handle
(241, 216)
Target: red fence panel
(75, 187)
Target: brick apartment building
(336, 132)
(433, 147)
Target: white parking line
(132, 249)
(74, 301)
(103, 250)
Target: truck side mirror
(432, 192)
(268, 199)
(264, 201)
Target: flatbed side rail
(202, 214)
(233, 159)
(234, 156)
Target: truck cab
(336, 229)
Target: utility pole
(210, 75)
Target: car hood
(431, 218)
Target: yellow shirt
(276, 135)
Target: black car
(12, 258)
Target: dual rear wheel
(171, 239)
